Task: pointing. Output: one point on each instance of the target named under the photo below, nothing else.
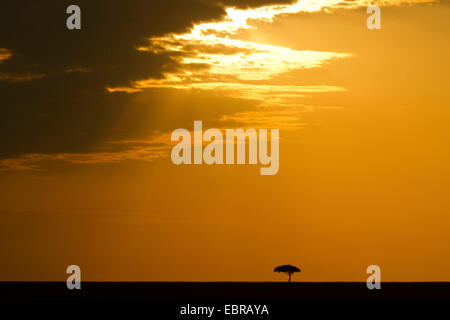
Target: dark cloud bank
(52, 88)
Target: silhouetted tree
(288, 269)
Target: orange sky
(364, 157)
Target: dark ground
(284, 300)
(218, 291)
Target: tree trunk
(289, 277)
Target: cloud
(280, 118)
(77, 69)
(130, 150)
(236, 59)
(209, 59)
(5, 54)
(53, 81)
(68, 110)
(290, 117)
(210, 51)
(20, 77)
(269, 94)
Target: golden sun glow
(211, 56)
(213, 51)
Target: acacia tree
(288, 269)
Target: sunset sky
(364, 116)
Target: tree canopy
(288, 269)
